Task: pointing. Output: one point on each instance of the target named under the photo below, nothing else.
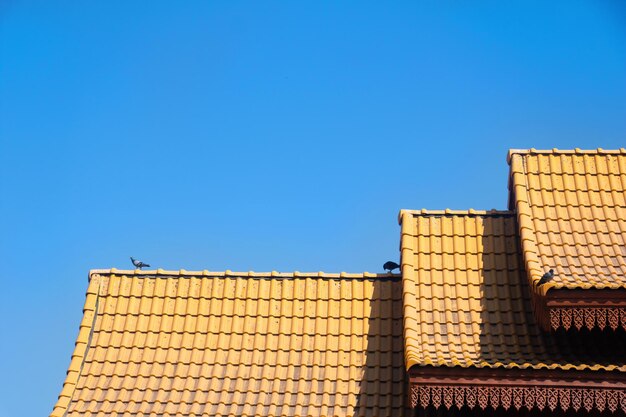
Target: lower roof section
(203, 343)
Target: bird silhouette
(547, 277)
(390, 266)
(139, 264)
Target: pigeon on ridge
(390, 266)
(139, 264)
(546, 277)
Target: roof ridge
(575, 151)
(234, 274)
(450, 212)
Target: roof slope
(204, 343)
(571, 208)
(467, 303)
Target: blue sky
(265, 136)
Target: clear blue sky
(265, 136)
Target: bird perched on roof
(547, 277)
(139, 264)
(390, 266)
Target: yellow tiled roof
(467, 303)
(571, 208)
(205, 343)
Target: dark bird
(547, 277)
(139, 264)
(390, 266)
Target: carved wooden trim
(541, 398)
(424, 396)
(518, 397)
(555, 318)
(483, 397)
(553, 399)
(613, 315)
(577, 399)
(414, 395)
(578, 317)
(459, 397)
(506, 395)
(589, 317)
(448, 396)
(566, 316)
(565, 396)
(612, 400)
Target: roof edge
(408, 260)
(528, 244)
(483, 366)
(81, 346)
(450, 212)
(235, 274)
(575, 151)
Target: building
(465, 329)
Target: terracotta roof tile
(571, 207)
(467, 302)
(185, 343)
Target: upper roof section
(571, 209)
(209, 343)
(467, 302)
(572, 213)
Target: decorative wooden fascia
(506, 388)
(589, 308)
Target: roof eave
(445, 386)
(589, 308)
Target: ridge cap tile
(459, 213)
(162, 273)
(556, 151)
